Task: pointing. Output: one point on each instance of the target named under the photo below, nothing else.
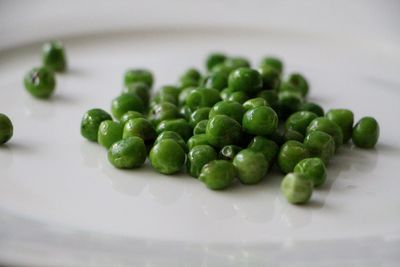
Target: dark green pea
(314, 169)
(229, 152)
(198, 157)
(320, 144)
(270, 77)
(366, 133)
(239, 97)
(181, 126)
(251, 166)
(91, 121)
(225, 94)
(312, 107)
(140, 89)
(291, 153)
(198, 115)
(109, 133)
(185, 83)
(163, 111)
(197, 140)
(138, 75)
(261, 120)
(185, 112)
(265, 146)
(292, 134)
(214, 59)
(325, 125)
(245, 80)
(254, 102)
(174, 136)
(273, 62)
(236, 62)
(128, 153)
(344, 118)
(271, 97)
(167, 156)
(217, 80)
(299, 121)
(222, 131)
(288, 87)
(297, 188)
(231, 109)
(288, 102)
(218, 174)
(53, 56)
(140, 127)
(200, 127)
(184, 94)
(6, 129)
(126, 102)
(202, 97)
(40, 82)
(192, 74)
(278, 137)
(162, 97)
(300, 82)
(130, 115)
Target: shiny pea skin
(261, 120)
(298, 80)
(185, 112)
(270, 77)
(163, 111)
(218, 174)
(202, 97)
(40, 82)
(128, 153)
(126, 102)
(200, 127)
(181, 126)
(299, 121)
(139, 127)
(325, 125)
(140, 89)
(271, 97)
(236, 62)
(53, 56)
(6, 129)
(251, 166)
(138, 75)
(214, 59)
(198, 157)
(229, 152)
(199, 115)
(167, 156)
(192, 74)
(225, 93)
(291, 153)
(314, 169)
(320, 144)
(231, 109)
(217, 80)
(291, 134)
(130, 115)
(297, 188)
(222, 130)
(245, 80)
(366, 133)
(344, 118)
(91, 121)
(312, 107)
(239, 97)
(109, 133)
(254, 102)
(288, 103)
(196, 140)
(174, 136)
(273, 62)
(266, 146)
(182, 98)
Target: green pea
(214, 59)
(251, 166)
(297, 188)
(291, 153)
(200, 127)
(126, 102)
(140, 127)
(312, 107)
(239, 97)
(6, 129)
(163, 111)
(366, 133)
(198, 157)
(254, 102)
(181, 126)
(184, 94)
(202, 97)
(225, 94)
(217, 80)
(288, 102)
(245, 80)
(53, 56)
(270, 77)
(130, 115)
(231, 109)
(198, 115)
(320, 144)
(299, 82)
(138, 75)
(265, 146)
(174, 136)
(91, 121)
(229, 152)
(185, 112)
(236, 62)
(222, 130)
(197, 140)
(261, 120)
(167, 156)
(128, 153)
(192, 74)
(299, 121)
(140, 89)
(344, 118)
(188, 82)
(314, 169)
(218, 174)
(273, 62)
(325, 125)
(109, 133)
(271, 97)
(292, 134)
(40, 82)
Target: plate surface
(51, 176)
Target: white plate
(62, 203)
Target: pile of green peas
(231, 122)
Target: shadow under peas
(6, 157)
